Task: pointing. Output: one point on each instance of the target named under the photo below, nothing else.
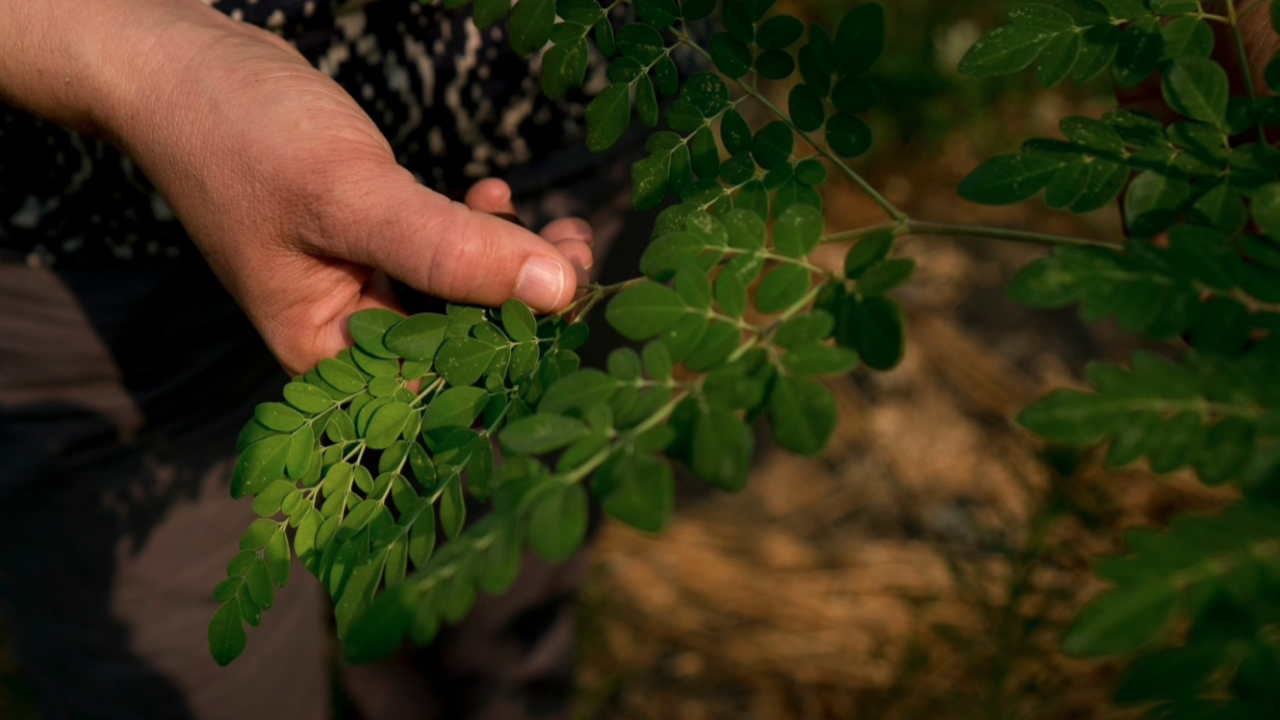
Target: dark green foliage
(363, 470)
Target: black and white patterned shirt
(454, 101)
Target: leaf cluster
(367, 469)
(1200, 270)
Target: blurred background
(926, 564)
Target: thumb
(445, 249)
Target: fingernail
(540, 283)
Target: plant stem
(1243, 58)
(917, 227)
(891, 209)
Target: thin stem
(1243, 58)
(836, 160)
(917, 227)
(581, 472)
(914, 227)
(860, 233)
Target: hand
(287, 187)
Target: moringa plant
(363, 470)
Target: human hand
(294, 196)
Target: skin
(285, 185)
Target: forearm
(92, 66)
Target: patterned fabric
(455, 102)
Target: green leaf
(1008, 179)
(803, 414)
(811, 172)
(307, 398)
(694, 286)
(738, 170)
(302, 452)
(657, 360)
(259, 465)
(867, 253)
(1093, 135)
(717, 344)
(455, 407)
(848, 135)
(531, 24)
(278, 417)
(278, 558)
(1187, 37)
(735, 18)
(753, 198)
(772, 145)
(735, 133)
(722, 450)
(806, 107)
(1266, 209)
(811, 327)
(624, 70)
(462, 360)
(417, 337)
(259, 583)
(854, 95)
(1122, 620)
(886, 276)
(1057, 59)
(704, 154)
(518, 321)
(731, 294)
(816, 359)
(386, 424)
(1005, 50)
(658, 13)
(645, 310)
(684, 118)
(670, 252)
(341, 376)
(641, 42)
(692, 10)
(1098, 47)
(608, 116)
(792, 194)
(873, 327)
(782, 288)
(1153, 202)
(646, 102)
(487, 13)
(581, 12)
(578, 390)
(775, 64)
(368, 327)
(730, 55)
(1141, 45)
(1041, 16)
(650, 182)
(706, 92)
(1196, 87)
(638, 490)
(779, 32)
(860, 39)
(798, 231)
(541, 433)
(667, 75)
(1106, 180)
(564, 67)
(227, 638)
(558, 523)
